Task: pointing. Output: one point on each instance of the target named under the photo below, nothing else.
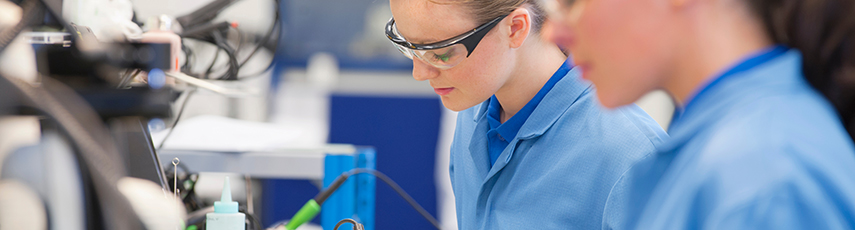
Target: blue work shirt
(500, 133)
(557, 173)
(757, 148)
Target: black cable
(267, 36)
(192, 201)
(273, 28)
(233, 64)
(356, 225)
(269, 64)
(211, 67)
(204, 14)
(177, 118)
(222, 46)
(256, 223)
(188, 54)
(323, 195)
(240, 39)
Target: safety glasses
(444, 54)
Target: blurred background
(278, 76)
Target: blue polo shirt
(756, 148)
(500, 134)
(568, 133)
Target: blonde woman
(532, 148)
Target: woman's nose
(423, 71)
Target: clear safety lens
(405, 51)
(443, 58)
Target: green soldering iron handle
(306, 213)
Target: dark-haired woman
(759, 140)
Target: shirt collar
(510, 128)
(714, 100)
(566, 88)
(746, 64)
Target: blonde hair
(485, 10)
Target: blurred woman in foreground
(765, 100)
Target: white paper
(222, 134)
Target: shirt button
(501, 138)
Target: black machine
(126, 110)
(79, 97)
(83, 99)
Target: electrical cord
(177, 118)
(262, 71)
(235, 65)
(188, 54)
(239, 39)
(275, 27)
(267, 36)
(220, 47)
(211, 66)
(356, 225)
(232, 73)
(253, 220)
(311, 208)
(400, 192)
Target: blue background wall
(404, 132)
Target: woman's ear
(520, 26)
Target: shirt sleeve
(787, 207)
(614, 213)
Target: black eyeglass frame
(469, 39)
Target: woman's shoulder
(586, 117)
(784, 119)
(788, 132)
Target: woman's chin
(455, 105)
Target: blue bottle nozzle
(226, 204)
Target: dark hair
(824, 32)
